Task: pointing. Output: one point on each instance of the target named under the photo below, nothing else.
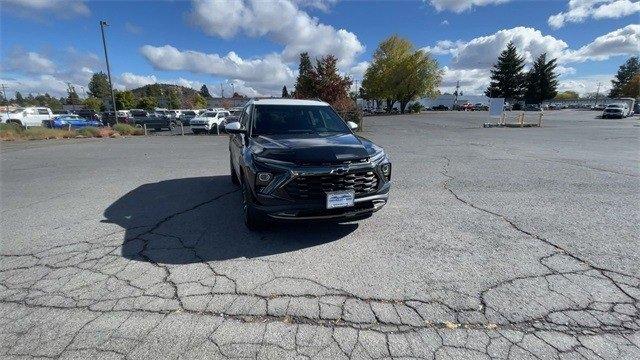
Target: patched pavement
(496, 243)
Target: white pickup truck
(27, 117)
(209, 121)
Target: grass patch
(12, 131)
(89, 132)
(126, 129)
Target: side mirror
(234, 128)
(352, 125)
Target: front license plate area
(340, 199)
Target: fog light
(263, 178)
(386, 170)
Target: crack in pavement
(93, 282)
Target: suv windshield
(209, 114)
(297, 119)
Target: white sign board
(496, 107)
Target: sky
(252, 46)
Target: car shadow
(200, 219)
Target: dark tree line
(510, 81)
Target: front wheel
(253, 220)
(215, 130)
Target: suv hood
(313, 149)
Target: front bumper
(206, 127)
(274, 202)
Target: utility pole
(597, 94)
(106, 58)
(455, 100)
(221, 91)
(71, 90)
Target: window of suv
(43, 112)
(296, 119)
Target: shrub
(126, 129)
(89, 132)
(348, 111)
(10, 131)
(415, 107)
(40, 133)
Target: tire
(195, 132)
(234, 177)
(253, 220)
(214, 129)
(172, 126)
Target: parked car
(209, 121)
(124, 117)
(28, 117)
(186, 116)
(298, 160)
(228, 120)
(614, 111)
(152, 121)
(480, 107)
(532, 107)
(73, 121)
(440, 108)
(88, 114)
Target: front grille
(315, 186)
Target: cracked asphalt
(496, 243)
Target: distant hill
(162, 92)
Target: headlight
(386, 170)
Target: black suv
(298, 160)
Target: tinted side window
(43, 112)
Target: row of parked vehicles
(202, 120)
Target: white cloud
(444, 47)
(581, 10)
(473, 59)
(444, 22)
(587, 84)
(625, 41)
(29, 62)
(42, 9)
(268, 69)
(459, 6)
(131, 81)
(37, 85)
(323, 5)
(472, 81)
(357, 71)
(279, 20)
(482, 52)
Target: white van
(27, 117)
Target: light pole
(106, 57)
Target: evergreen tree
(99, 86)
(306, 81)
(204, 91)
(507, 77)
(285, 93)
(72, 98)
(125, 100)
(175, 100)
(19, 99)
(542, 80)
(625, 74)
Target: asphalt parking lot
(496, 243)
